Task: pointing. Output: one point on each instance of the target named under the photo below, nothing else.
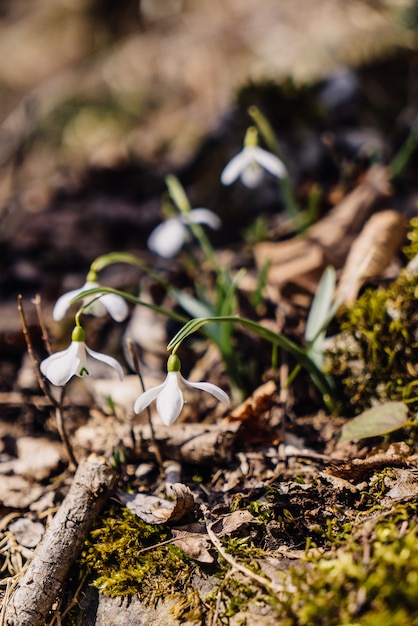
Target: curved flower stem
(267, 133)
(321, 381)
(125, 257)
(180, 199)
(99, 291)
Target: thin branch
(34, 359)
(45, 337)
(58, 405)
(264, 582)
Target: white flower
(107, 303)
(169, 236)
(73, 361)
(248, 165)
(169, 396)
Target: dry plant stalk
(264, 582)
(41, 584)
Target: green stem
(400, 160)
(99, 291)
(125, 257)
(269, 137)
(320, 380)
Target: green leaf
(321, 304)
(376, 421)
(322, 382)
(319, 316)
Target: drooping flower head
(74, 361)
(96, 305)
(168, 238)
(248, 165)
(169, 395)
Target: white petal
(94, 307)
(168, 238)
(252, 176)
(210, 388)
(205, 216)
(104, 358)
(269, 161)
(81, 359)
(235, 167)
(170, 400)
(63, 304)
(61, 366)
(115, 305)
(147, 397)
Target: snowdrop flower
(107, 303)
(248, 164)
(73, 361)
(169, 236)
(169, 396)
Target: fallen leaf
(261, 400)
(376, 421)
(395, 455)
(237, 520)
(194, 542)
(404, 485)
(154, 510)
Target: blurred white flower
(109, 303)
(168, 238)
(248, 165)
(73, 361)
(169, 395)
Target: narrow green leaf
(376, 421)
(321, 304)
(322, 382)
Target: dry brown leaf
(395, 455)
(379, 241)
(154, 510)
(404, 485)
(238, 520)
(327, 242)
(260, 400)
(194, 541)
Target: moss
(117, 567)
(375, 357)
(372, 580)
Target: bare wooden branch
(202, 444)
(190, 443)
(33, 597)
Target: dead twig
(39, 587)
(264, 582)
(58, 404)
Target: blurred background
(101, 99)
